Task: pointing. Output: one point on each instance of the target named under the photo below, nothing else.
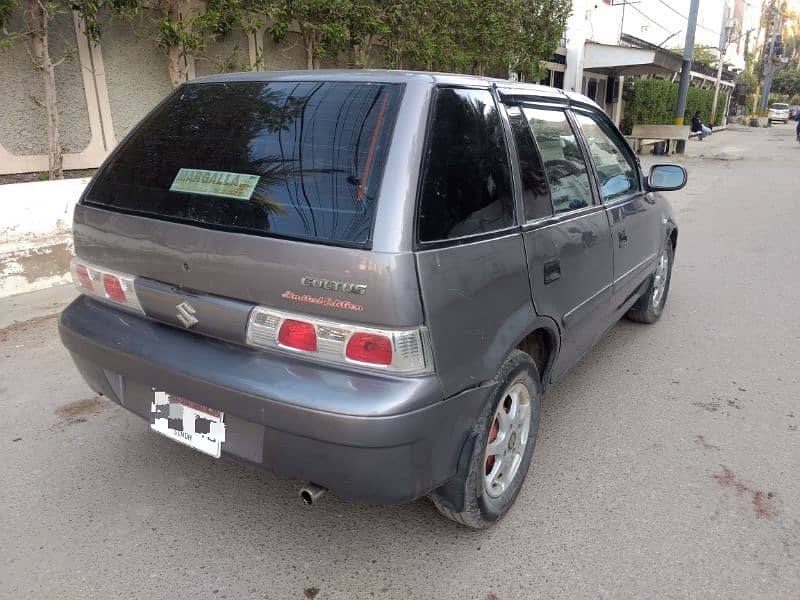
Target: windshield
(299, 160)
(778, 106)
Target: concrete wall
(135, 72)
(22, 126)
(106, 88)
(22, 129)
(74, 118)
(290, 54)
(36, 233)
(226, 56)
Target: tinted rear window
(299, 160)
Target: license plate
(188, 423)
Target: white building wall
(659, 22)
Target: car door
(566, 230)
(470, 255)
(632, 213)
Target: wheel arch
(541, 343)
(673, 238)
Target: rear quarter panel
(477, 305)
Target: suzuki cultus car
(364, 280)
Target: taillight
(369, 348)
(113, 288)
(83, 279)
(401, 351)
(298, 335)
(104, 284)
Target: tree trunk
(38, 21)
(177, 72)
(361, 53)
(309, 41)
(175, 60)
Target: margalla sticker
(215, 183)
(322, 300)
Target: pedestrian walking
(797, 129)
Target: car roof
(382, 75)
(392, 76)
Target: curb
(36, 234)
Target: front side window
(466, 188)
(301, 160)
(616, 171)
(566, 170)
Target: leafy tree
(704, 56)
(323, 26)
(474, 36)
(787, 82)
(366, 21)
(417, 34)
(541, 25)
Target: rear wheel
(651, 304)
(501, 456)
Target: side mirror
(666, 178)
(616, 185)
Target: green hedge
(652, 102)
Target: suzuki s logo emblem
(186, 314)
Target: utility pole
(686, 68)
(723, 47)
(773, 27)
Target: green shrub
(652, 102)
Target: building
(608, 40)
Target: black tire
(646, 309)
(480, 509)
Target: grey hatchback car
(364, 280)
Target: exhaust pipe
(310, 493)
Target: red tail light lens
(298, 335)
(370, 348)
(108, 286)
(83, 278)
(113, 287)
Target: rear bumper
(366, 437)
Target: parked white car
(778, 112)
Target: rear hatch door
(231, 194)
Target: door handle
(623, 238)
(552, 271)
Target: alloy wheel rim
(508, 439)
(660, 279)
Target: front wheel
(651, 304)
(504, 440)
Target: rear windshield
(779, 106)
(290, 159)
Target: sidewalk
(34, 305)
(721, 145)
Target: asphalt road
(666, 467)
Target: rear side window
(292, 159)
(466, 188)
